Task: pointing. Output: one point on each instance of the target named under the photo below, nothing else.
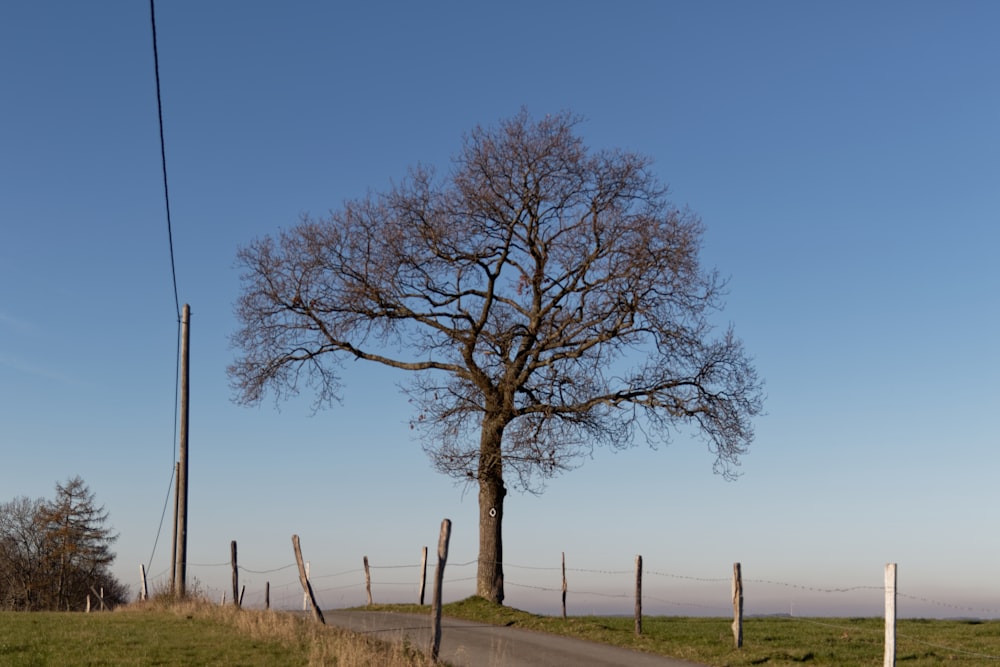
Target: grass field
(766, 641)
(205, 634)
(194, 633)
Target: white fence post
(890, 615)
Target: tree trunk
(489, 579)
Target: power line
(163, 157)
(173, 271)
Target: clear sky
(845, 160)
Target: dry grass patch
(308, 641)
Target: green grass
(766, 641)
(185, 635)
(205, 634)
(153, 638)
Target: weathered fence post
(267, 595)
(243, 589)
(98, 595)
(890, 615)
(564, 584)
(305, 596)
(423, 576)
(143, 590)
(638, 595)
(438, 581)
(304, 580)
(368, 582)
(737, 605)
(236, 574)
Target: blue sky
(844, 158)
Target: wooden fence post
(304, 580)
(267, 595)
(438, 581)
(638, 595)
(305, 596)
(99, 595)
(143, 590)
(564, 584)
(890, 615)
(368, 582)
(737, 605)
(423, 575)
(236, 574)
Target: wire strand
(173, 275)
(163, 157)
(163, 514)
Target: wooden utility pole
(173, 541)
(180, 581)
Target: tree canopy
(547, 298)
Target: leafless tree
(21, 569)
(53, 553)
(548, 299)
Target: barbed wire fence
(594, 591)
(404, 590)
